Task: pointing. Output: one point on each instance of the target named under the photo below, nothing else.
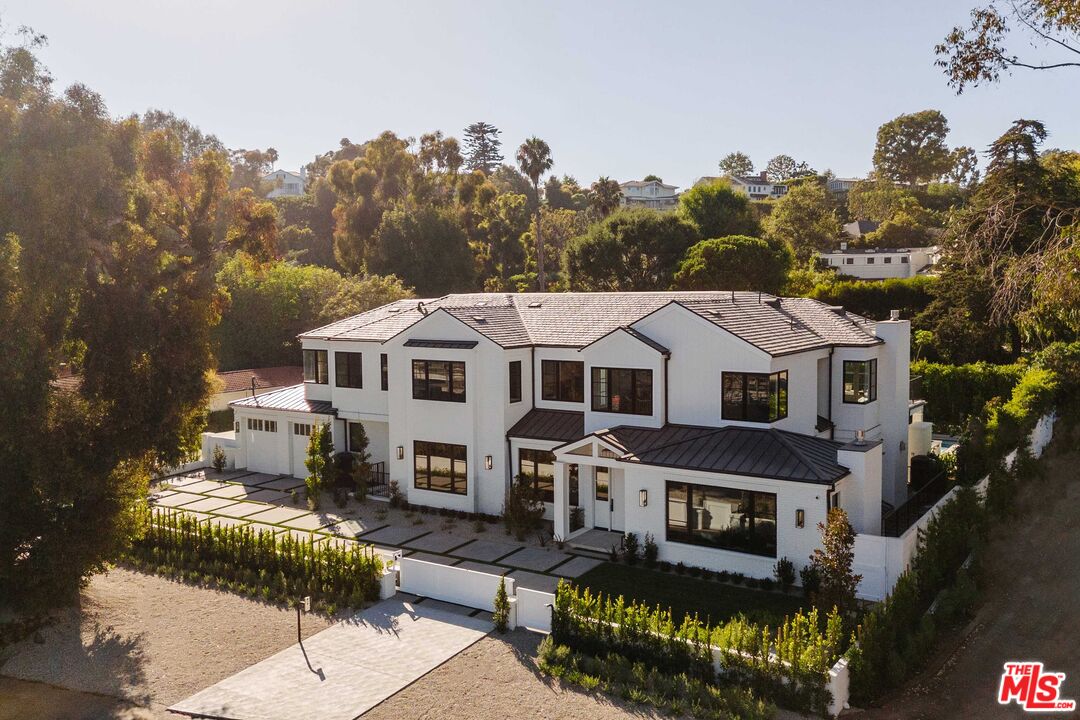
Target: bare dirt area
(1031, 582)
(136, 644)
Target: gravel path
(148, 640)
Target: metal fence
(894, 523)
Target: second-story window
(315, 367)
(348, 369)
(438, 380)
(756, 397)
(860, 381)
(622, 390)
(515, 381)
(563, 380)
(384, 371)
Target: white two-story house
(649, 193)
(723, 424)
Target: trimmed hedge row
(957, 392)
(876, 299)
(275, 567)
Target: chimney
(894, 314)
(843, 244)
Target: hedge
(275, 567)
(955, 393)
(876, 299)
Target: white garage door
(299, 447)
(262, 439)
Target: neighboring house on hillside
(857, 229)
(285, 183)
(649, 193)
(723, 424)
(756, 187)
(841, 186)
(882, 263)
(237, 384)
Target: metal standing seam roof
(757, 452)
(556, 425)
(578, 319)
(289, 399)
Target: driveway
(345, 670)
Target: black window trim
(534, 475)
(319, 378)
(344, 360)
(753, 514)
(384, 371)
(594, 371)
(514, 368)
(453, 474)
(781, 409)
(450, 366)
(558, 365)
(871, 364)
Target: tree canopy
(736, 262)
(717, 210)
(482, 147)
(911, 148)
(805, 220)
(736, 163)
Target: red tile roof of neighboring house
(271, 377)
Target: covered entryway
(608, 510)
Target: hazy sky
(616, 88)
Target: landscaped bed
(713, 601)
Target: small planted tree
(523, 510)
(361, 470)
(501, 615)
(833, 562)
(219, 459)
(318, 463)
(785, 573)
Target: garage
(300, 435)
(261, 441)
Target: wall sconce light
(487, 462)
(800, 518)
(643, 497)
(400, 452)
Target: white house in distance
(756, 187)
(724, 424)
(649, 193)
(285, 183)
(881, 263)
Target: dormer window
(622, 390)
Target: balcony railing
(915, 388)
(897, 521)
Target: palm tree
(606, 195)
(534, 159)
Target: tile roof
(290, 399)
(578, 319)
(561, 425)
(757, 452)
(269, 377)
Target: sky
(621, 89)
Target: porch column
(562, 500)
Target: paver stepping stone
(533, 581)
(263, 527)
(230, 490)
(577, 567)
(305, 536)
(209, 504)
(395, 534)
(162, 494)
(178, 499)
(531, 558)
(438, 542)
(277, 515)
(279, 483)
(227, 521)
(482, 567)
(241, 510)
(346, 528)
(204, 486)
(432, 558)
(312, 521)
(267, 496)
(486, 550)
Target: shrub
(960, 392)
(311, 491)
(785, 573)
(341, 497)
(523, 510)
(680, 568)
(344, 466)
(665, 566)
(294, 497)
(501, 616)
(833, 561)
(630, 548)
(811, 579)
(651, 550)
(876, 299)
(395, 496)
(219, 459)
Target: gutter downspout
(832, 427)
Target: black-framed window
(756, 397)
(622, 390)
(563, 380)
(440, 466)
(438, 380)
(719, 517)
(860, 381)
(384, 370)
(261, 425)
(355, 437)
(302, 429)
(349, 369)
(515, 381)
(315, 367)
(537, 468)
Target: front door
(607, 500)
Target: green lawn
(686, 595)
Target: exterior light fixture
(800, 518)
(643, 497)
(487, 462)
(400, 452)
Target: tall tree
(834, 561)
(193, 141)
(426, 247)
(482, 147)
(911, 148)
(964, 166)
(736, 163)
(605, 196)
(718, 211)
(632, 249)
(804, 218)
(978, 54)
(785, 167)
(534, 159)
(736, 262)
(249, 167)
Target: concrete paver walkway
(345, 670)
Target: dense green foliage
(736, 262)
(958, 392)
(273, 566)
(875, 300)
(804, 219)
(716, 210)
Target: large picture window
(440, 467)
(860, 381)
(622, 390)
(348, 369)
(438, 380)
(756, 397)
(315, 367)
(563, 380)
(515, 381)
(740, 520)
(537, 468)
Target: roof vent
(393, 310)
(773, 302)
(894, 314)
(535, 304)
(838, 309)
(479, 318)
